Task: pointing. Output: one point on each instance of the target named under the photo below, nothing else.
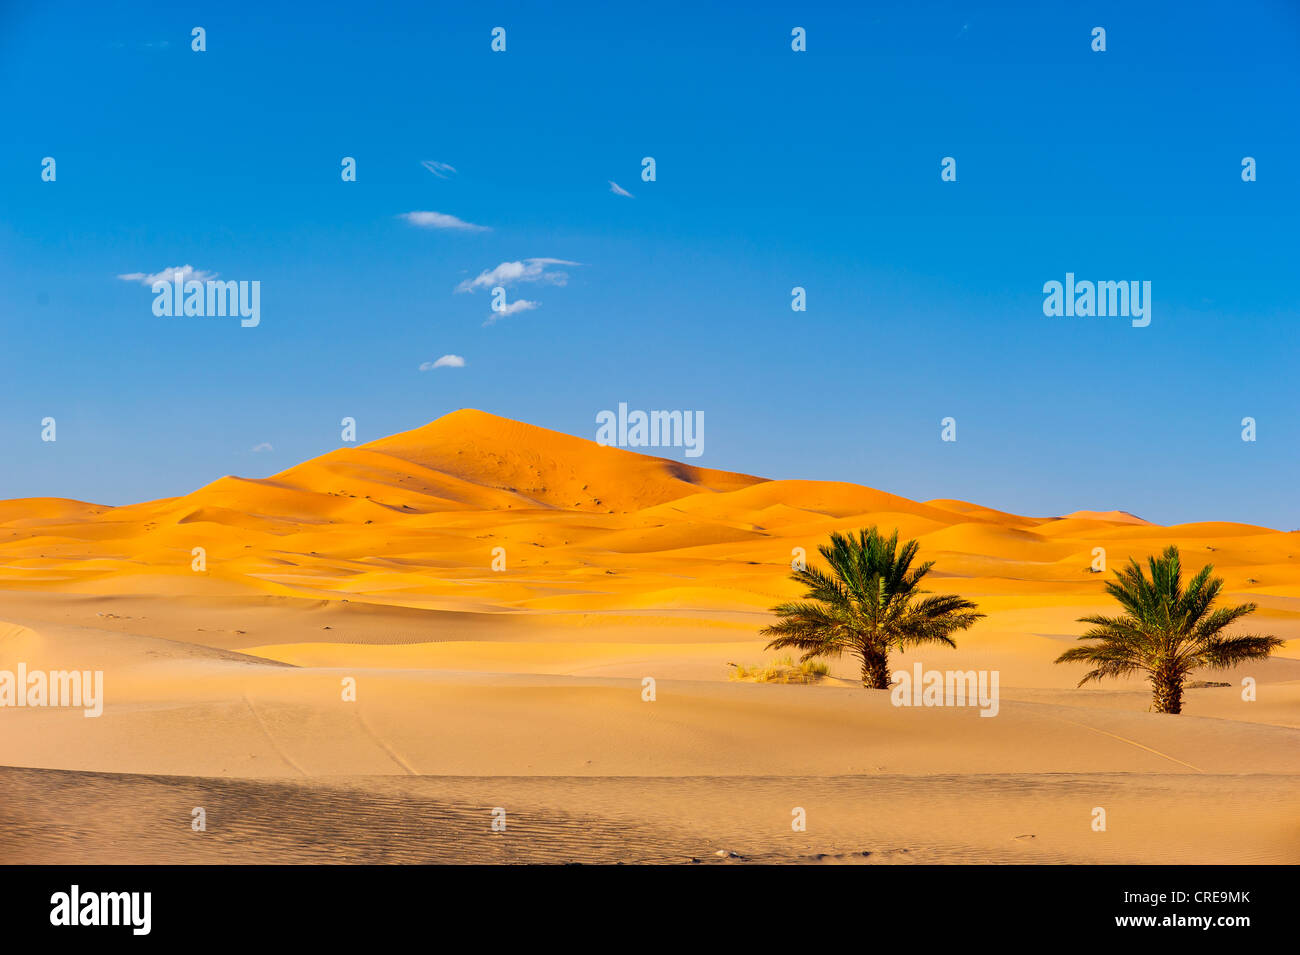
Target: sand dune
(498, 593)
(1113, 517)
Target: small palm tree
(868, 605)
(1166, 630)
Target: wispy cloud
(142, 45)
(446, 361)
(440, 220)
(619, 190)
(510, 308)
(439, 169)
(509, 273)
(264, 446)
(187, 273)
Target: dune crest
(477, 512)
(1115, 517)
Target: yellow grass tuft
(783, 670)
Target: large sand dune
(522, 687)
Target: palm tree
(868, 605)
(1166, 630)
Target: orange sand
(376, 563)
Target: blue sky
(775, 169)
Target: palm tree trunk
(1166, 691)
(875, 670)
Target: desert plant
(782, 670)
(868, 604)
(1166, 631)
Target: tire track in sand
(1131, 742)
(266, 730)
(384, 745)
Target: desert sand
(520, 687)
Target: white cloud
(510, 308)
(188, 273)
(439, 169)
(440, 220)
(619, 190)
(264, 446)
(508, 273)
(446, 361)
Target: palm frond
(1221, 653)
